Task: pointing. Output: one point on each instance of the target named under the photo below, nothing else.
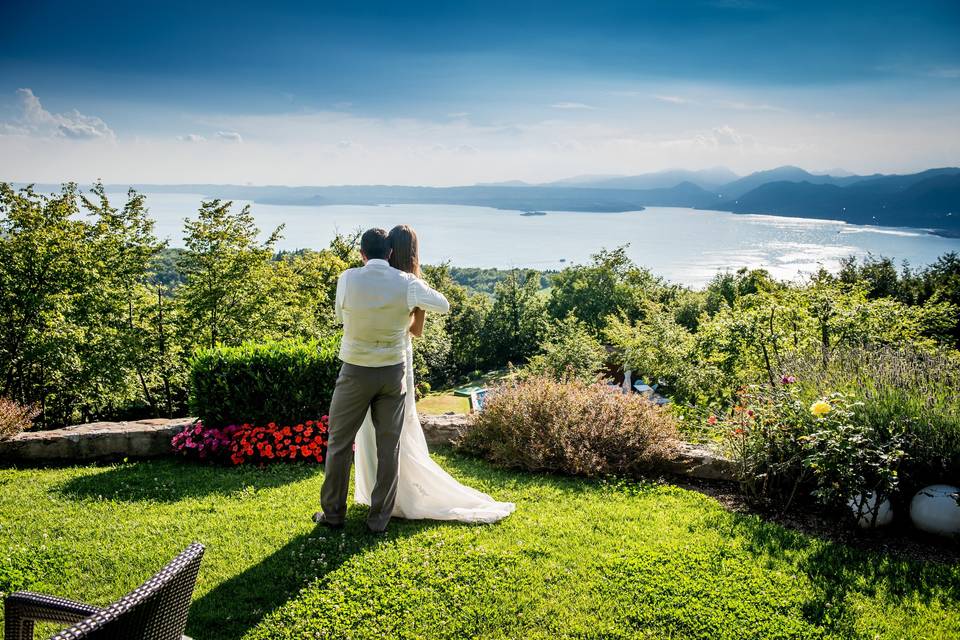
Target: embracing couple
(380, 305)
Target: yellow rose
(820, 408)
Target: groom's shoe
(320, 518)
(379, 533)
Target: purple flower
(788, 379)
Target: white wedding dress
(425, 490)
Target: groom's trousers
(380, 389)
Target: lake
(687, 246)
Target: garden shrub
(902, 393)
(571, 427)
(284, 382)
(869, 419)
(15, 417)
(786, 448)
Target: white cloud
(723, 136)
(229, 136)
(673, 99)
(330, 147)
(458, 114)
(36, 121)
(571, 105)
(7, 129)
(747, 106)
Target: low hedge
(284, 382)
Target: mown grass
(578, 559)
(444, 402)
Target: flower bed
(239, 444)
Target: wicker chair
(156, 610)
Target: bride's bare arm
(416, 324)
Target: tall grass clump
(571, 427)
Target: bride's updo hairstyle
(406, 249)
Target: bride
(424, 489)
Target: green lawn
(579, 559)
(444, 402)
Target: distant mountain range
(929, 199)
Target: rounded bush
(571, 427)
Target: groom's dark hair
(375, 244)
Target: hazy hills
(929, 199)
(708, 179)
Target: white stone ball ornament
(936, 509)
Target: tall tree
(226, 296)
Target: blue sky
(459, 92)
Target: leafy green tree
(72, 294)
(226, 298)
(45, 267)
(726, 288)
(610, 286)
(660, 350)
(116, 341)
(517, 320)
(570, 352)
(465, 324)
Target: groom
(374, 303)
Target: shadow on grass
(173, 480)
(235, 606)
(837, 571)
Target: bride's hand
(418, 316)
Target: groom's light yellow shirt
(374, 304)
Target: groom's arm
(421, 296)
(338, 304)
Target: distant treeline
(477, 280)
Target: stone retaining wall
(94, 441)
(151, 438)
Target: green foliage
(570, 352)
(789, 439)
(726, 288)
(902, 395)
(432, 357)
(485, 281)
(571, 427)
(516, 323)
(226, 296)
(285, 382)
(610, 286)
(848, 459)
(71, 293)
(660, 350)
